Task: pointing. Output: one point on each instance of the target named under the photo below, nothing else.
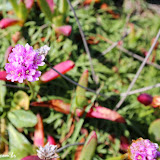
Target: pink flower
(143, 149)
(23, 64)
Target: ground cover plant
(79, 80)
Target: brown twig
(138, 72)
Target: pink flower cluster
(143, 149)
(23, 64)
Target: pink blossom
(143, 149)
(23, 64)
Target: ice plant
(145, 99)
(143, 149)
(47, 152)
(24, 62)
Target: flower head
(143, 149)
(23, 64)
(47, 152)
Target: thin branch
(114, 44)
(141, 89)
(136, 56)
(68, 145)
(73, 82)
(138, 72)
(130, 53)
(84, 42)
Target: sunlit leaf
(21, 99)
(22, 118)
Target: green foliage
(20, 118)
(89, 147)
(115, 71)
(154, 131)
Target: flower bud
(145, 99)
(156, 101)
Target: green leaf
(154, 131)
(45, 9)
(89, 147)
(21, 99)
(3, 92)
(22, 118)
(63, 6)
(18, 143)
(81, 99)
(23, 12)
(15, 6)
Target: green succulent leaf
(89, 147)
(22, 118)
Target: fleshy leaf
(3, 75)
(81, 99)
(51, 140)
(29, 3)
(63, 6)
(8, 51)
(39, 132)
(65, 30)
(51, 5)
(31, 158)
(3, 92)
(105, 113)
(56, 104)
(21, 99)
(7, 22)
(21, 118)
(45, 8)
(18, 142)
(154, 131)
(87, 2)
(95, 112)
(62, 67)
(89, 147)
(23, 12)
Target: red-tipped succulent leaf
(39, 132)
(51, 140)
(51, 5)
(8, 51)
(105, 113)
(29, 3)
(65, 30)
(98, 112)
(6, 22)
(62, 67)
(145, 99)
(156, 101)
(3, 75)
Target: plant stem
(68, 145)
(31, 89)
